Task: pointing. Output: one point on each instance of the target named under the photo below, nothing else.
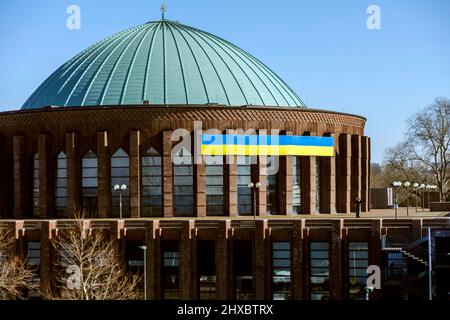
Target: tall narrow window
(135, 263)
(319, 270)
(358, 261)
(36, 191)
(171, 270)
(318, 187)
(120, 175)
(281, 270)
(61, 185)
(152, 194)
(214, 189)
(34, 261)
(183, 184)
(244, 172)
(272, 194)
(296, 185)
(243, 269)
(89, 184)
(206, 264)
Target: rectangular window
(135, 264)
(183, 187)
(296, 185)
(206, 269)
(272, 195)
(319, 270)
(34, 261)
(243, 269)
(244, 173)
(120, 175)
(281, 270)
(358, 261)
(89, 184)
(152, 193)
(214, 190)
(61, 185)
(171, 270)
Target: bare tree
(88, 267)
(428, 141)
(15, 274)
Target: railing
(412, 250)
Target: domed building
(97, 137)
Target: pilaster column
(356, 170)
(308, 181)
(375, 253)
(223, 265)
(152, 242)
(104, 175)
(260, 262)
(259, 174)
(73, 174)
(20, 170)
(365, 174)
(336, 275)
(344, 174)
(200, 189)
(297, 260)
(135, 174)
(45, 257)
(185, 259)
(167, 175)
(328, 181)
(230, 186)
(45, 177)
(3, 179)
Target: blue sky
(321, 48)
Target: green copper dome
(163, 62)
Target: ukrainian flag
(267, 145)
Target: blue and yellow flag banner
(267, 145)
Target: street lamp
(396, 185)
(415, 186)
(254, 187)
(407, 184)
(145, 270)
(422, 187)
(120, 189)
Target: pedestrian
(357, 206)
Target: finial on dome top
(163, 10)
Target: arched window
(296, 185)
(272, 194)
(36, 204)
(61, 185)
(214, 188)
(183, 184)
(244, 177)
(152, 193)
(89, 183)
(120, 175)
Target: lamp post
(422, 187)
(396, 185)
(254, 187)
(407, 184)
(415, 186)
(428, 187)
(120, 189)
(145, 270)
